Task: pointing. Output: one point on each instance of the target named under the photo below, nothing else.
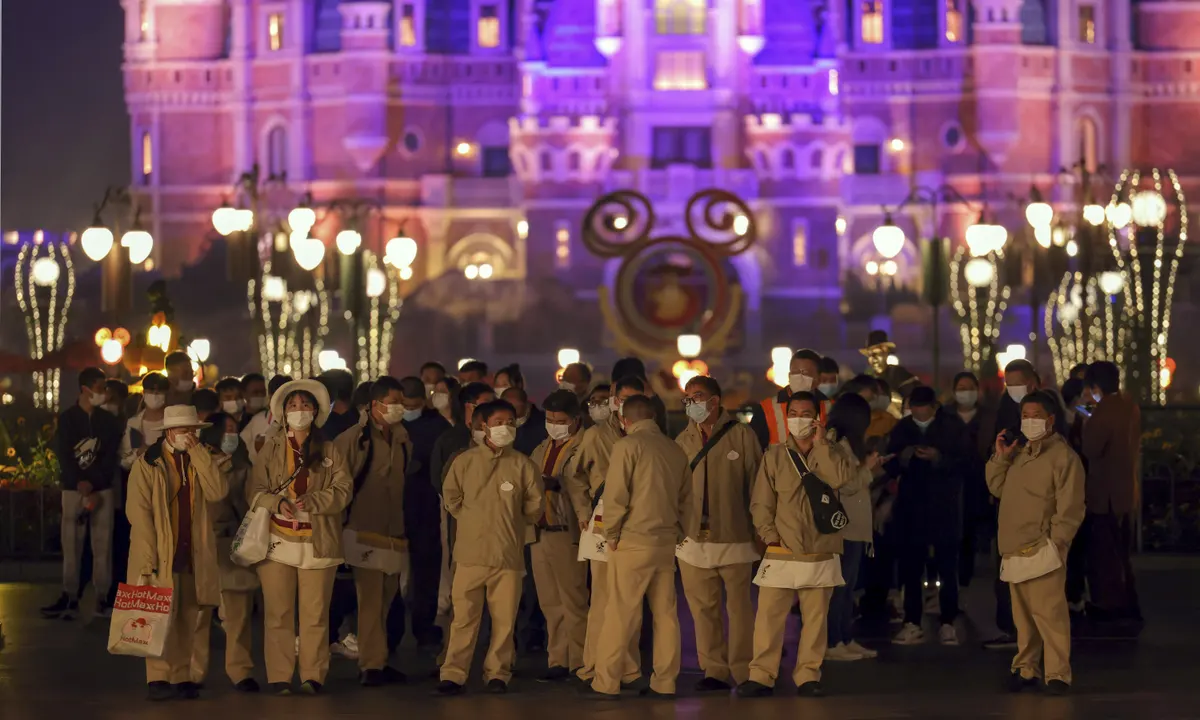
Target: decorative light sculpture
(981, 304)
(45, 283)
(293, 323)
(1084, 324)
(97, 242)
(348, 241)
(374, 335)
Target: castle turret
(182, 29)
(365, 42)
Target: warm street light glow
(200, 348)
(376, 282)
(159, 336)
(893, 360)
(471, 272)
(620, 222)
(97, 242)
(1118, 215)
(1039, 214)
(111, 351)
(888, 238)
(140, 243)
(979, 272)
(274, 288)
(781, 360)
(840, 225)
(348, 241)
(1149, 208)
(463, 149)
(522, 229)
(245, 219)
(872, 268)
(567, 356)
(102, 336)
(741, 224)
(689, 346)
(1012, 352)
(400, 252)
(485, 271)
(309, 252)
(1093, 214)
(302, 219)
(226, 220)
(406, 273)
(464, 361)
(896, 145)
(1043, 236)
(45, 271)
(1072, 248)
(1112, 282)
(330, 360)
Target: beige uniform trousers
(595, 627)
(288, 591)
(375, 593)
(635, 573)
(473, 584)
(561, 582)
(237, 608)
(721, 658)
(774, 604)
(1043, 623)
(175, 665)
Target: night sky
(64, 134)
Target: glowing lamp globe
(111, 351)
(244, 219)
(274, 288)
(689, 346)
(1093, 214)
(1039, 214)
(741, 225)
(1112, 282)
(1149, 208)
(781, 355)
(1119, 214)
(485, 271)
(888, 239)
(376, 282)
(979, 272)
(1043, 236)
(309, 252)
(302, 218)
(567, 356)
(226, 220)
(401, 251)
(140, 243)
(97, 242)
(348, 241)
(201, 348)
(980, 239)
(330, 360)
(45, 271)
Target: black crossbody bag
(828, 514)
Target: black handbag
(828, 514)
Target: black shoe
(310, 687)
(371, 678)
(555, 674)
(712, 685)
(497, 686)
(653, 694)
(751, 689)
(811, 688)
(281, 688)
(1017, 684)
(590, 693)
(249, 685)
(1057, 687)
(159, 691)
(448, 688)
(103, 609)
(188, 690)
(56, 608)
(392, 676)
(1003, 641)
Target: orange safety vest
(775, 413)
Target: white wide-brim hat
(312, 387)
(182, 416)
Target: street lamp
(567, 356)
(888, 238)
(98, 243)
(689, 346)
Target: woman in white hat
(171, 541)
(302, 480)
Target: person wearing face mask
(828, 378)
(929, 458)
(507, 377)
(229, 390)
(145, 427)
(473, 371)
(444, 399)
(724, 455)
(342, 414)
(576, 378)
(431, 374)
(801, 562)
(977, 419)
(596, 406)
(770, 425)
(378, 455)
(586, 488)
(263, 424)
(239, 585)
(531, 421)
(1041, 491)
(493, 492)
(172, 544)
(254, 390)
(634, 367)
(301, 479)
(115, 392)
(182, 378)
(88, 438)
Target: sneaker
(1003, 641)
(811, 689)
(103, 609)
(350, 643)
(281, 688)
(841, 653)
(497, 686)
(1017, 684)
(751, 689)
(249, 685)
(948, 635)
(310, 687)
(57, 608)
(709, 684)
(347, 648)
(188, 690)
(910, 634)
(1057, 687)
(158, 691)
(447, 688)
(555, 674)
(864, 652)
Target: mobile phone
(1083, 410)
(1010, 437)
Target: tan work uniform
(494, 495)
(171, 544)
(647, 512)
(722, 557)
(594, 452)
(1041, 491)
(289, 589)
(238, 584)
(377, 513)
(783, 518)
(558, 575)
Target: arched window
(789, 159)
(680, 17)
(147, 157)
(1089, 144)
(277, 152)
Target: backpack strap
(712, 442)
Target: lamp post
(44, 279)
(134, 248)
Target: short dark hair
(705, 383)
(922, 396)
(602, 387)
(488, 409)
(563, 401)
(1078, 368)
(804, 396)
(638, 407)
(828, 365)
(362, 393)
(227, 383)
(583, 368)
(1021, 366)
(858, 383)
(90, 376)
(177, 358)
(339, 383)
(471, 392)
(412, 387)
(478, 366)
(806, 354)
(850, 416)
(385, 385)
(629, 381)
(965, 375)
(628, 366)
(517, 392)
(250, 378)
(1071, 390)
(154, 382)
(205, 401)
(1104, 375)
(515, 378)
(277, 382)
(1048, 402)
(433, 366)
(118, 387)
(212, 434)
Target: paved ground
(49, 669)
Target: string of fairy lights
(383, 294)
(294, 324)
(1075, 332)
(980, 319)
(39, 275)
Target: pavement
(51, 668)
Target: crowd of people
(396, 502)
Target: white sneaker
(948, 635)
(863, 652)
(347, 648)
(909, 635)
(841, 653)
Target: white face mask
(478, 436)
(501, 390)
(97, 398)
(698, 412)
(502, 435)
(923, 424)
(154, 401)
(1018, 392)
(441, 401)
(256, 403)
(558, 432)
(966, 398)
(229, 443)
(299, 419)
(799, 382)
(568, 386)
(184, 385)
(600, 413)
(233, 407)
(828, 389)
(393, 414)
(180, 442)
(800, 426)
(1033, 428)
(522, 420)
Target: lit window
(562, 246)
(680, 70)
(275, 31)
(872, 22)
(488, 27)
(751, 18)
(277, 152)
(799, 243)
(680, 17)
(147, 157)
(1089, 144)
(954, 21)
(408, 25)
(1087, 24)
(144, 20)
(833, 82)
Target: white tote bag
(253, 538)
(593, 545)
(1023, 567)
(141, 619)
(372, 551)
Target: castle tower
(365, 49)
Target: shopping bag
(373, 551)
(593, 545)
(141, 619)
(253, 537)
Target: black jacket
(87, 447)
(451, 443)
(338, 423)
(424, 433)
(532, 433)
(929, 496)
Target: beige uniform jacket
(151, 537)
(378, 506)
(227, 515)
(781, 510)
(1041, 495)
(493, 495)
(594, 452)
(559, 509)
(329, 491)
(727, 474)
(647, 491)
